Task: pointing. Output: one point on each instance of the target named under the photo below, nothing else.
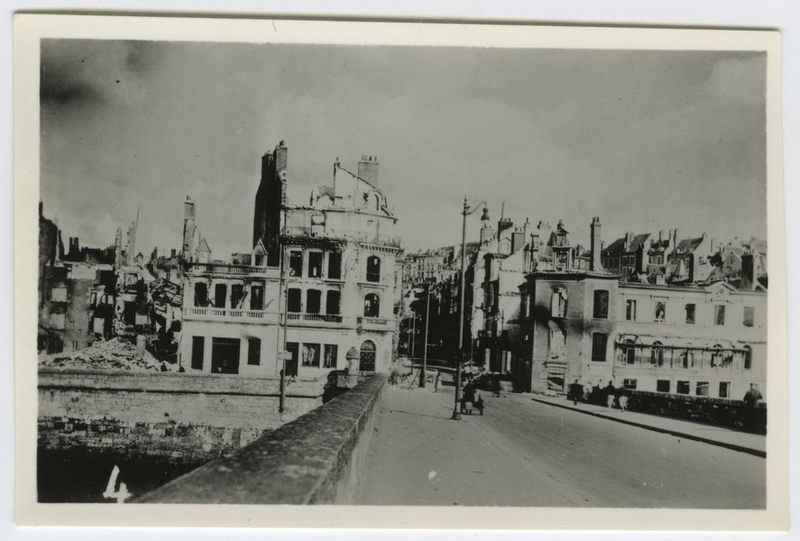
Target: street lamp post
(425, 344)
(464, 213)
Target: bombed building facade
(319, 282)
(699, 339)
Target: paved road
(524, 453)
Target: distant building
(336, 289)
(75, 306)
(626, 256)
(690, 340)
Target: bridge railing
(313, 459)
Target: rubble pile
(114, 354)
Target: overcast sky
(646, 140)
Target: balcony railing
(373, 322)
(224, 268)
(226, 313)
(325, 318)
(341, 234)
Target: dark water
(75, 478)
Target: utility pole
(461, 353)
(425, 344)
(283, 311)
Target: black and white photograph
(470, 268)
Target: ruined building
(319, 281)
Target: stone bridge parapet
(313, 459)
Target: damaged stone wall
(170, 417)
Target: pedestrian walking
(611, 394)
(468, 398)
(751, 399)
(575, 392)
(622, 398)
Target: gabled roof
(203, 246)
(618, 246)
(687, 246)
(658, 246)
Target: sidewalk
(754, 444)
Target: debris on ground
(114, 354)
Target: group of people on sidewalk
(596, 394)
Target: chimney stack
(368, 169)
(517, 239)
(596, 247)
(486, 230)
(281, 155)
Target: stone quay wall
(163, 416)
(312, 460)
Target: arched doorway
(366, 361)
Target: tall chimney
(517, 239)
(368, 169)
(281, 155)
(596, 248)
(749, 274)
(188, 228)
(486, 230)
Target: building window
(372, 305)
(660, 311)
(657, 354)
(749, 316)
(373, 269)
(257, 298)
(331, 356)
(201, 294)
(630, 352)
(313, 301)
(630, 310)
(558, 303)
(253, 351)
(558, 340)
(663, 386)
(220, 294)
(724, 389)
(334, 265)
(366, 362)
(311, 355)
(315, 264)
(333, 299)
(719, 314)
(291, 363)
(295, 263)
(237, 295)
(701, 389)
(58, 294)
(601, 304)
(683, 387)
(198, 347)
(716, 356)
(748, 357)
(225, 355)
(599, 342)
(687, 359)
(690, 314)
(629, 384)
(294, 300)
